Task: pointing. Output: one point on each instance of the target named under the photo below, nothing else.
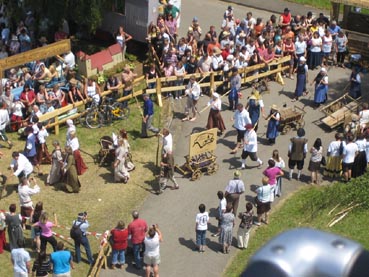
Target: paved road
(175, 211)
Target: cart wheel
(286, 129)
(196, 175)
(213, 168)
(300, 124)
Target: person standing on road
(355, 84)
(297, 150)
(221, 209)
(148, 116)
(273, 124)
(202, 219)
(119, 244)
(234, 189)
(83, 225)
(240, 119)
(263, 203)
(226, 229)
(244, 228)
(21, 260)
(167, 169)
(193, 94)
(235, 82)
(315, 161)
(152, 250)
(350, 151)
(321, 87)
(302, 78)
(137, 230)
(250, 147)
(254, 106)
(215, 119)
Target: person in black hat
(297, 150)
(82, 223)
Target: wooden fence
(61, 115)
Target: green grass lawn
(105, 201)
(309, 207)
(321, 4)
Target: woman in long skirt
(315, 53)
(321, 87)
(70, 171)
(273, 123)
(14, 223)
(360, 162)
(226, 229)
(121, 173)
(279, 162)
(74, 144)
(215, 119)
(302, 77)
(254, 106)
(56, 164)
(333, 169)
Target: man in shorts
(349, 153)
(250, 147)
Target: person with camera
(82, 223)
(152, 250)
(25, 192)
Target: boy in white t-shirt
(202, 219)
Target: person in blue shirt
(83, 224)
(148, 115)
(61, 260)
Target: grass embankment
(321, 4)
(310, 207)
(105, 201)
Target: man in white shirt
(350, 151)
(25, 192)
(167, 139)
(193, 94)
(4, 120)
(21, 260)
(250, 147)
(240, 119)
(20, 165)
(218, 62)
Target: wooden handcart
(291, 117)
(201, 156)
(339, 111)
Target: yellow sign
(203, 142)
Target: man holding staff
(193, 94)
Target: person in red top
(285, 19)
(137, 229)
(28, 98)
(119, 244)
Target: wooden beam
(39, 53)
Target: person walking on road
(297, 150)
(244, 228)
(215, 119)
(192, 92)
(137, 230)
(152, 250)
(148, 116)
(167, 169)
(240, 119)
(250, 147)
(202, 219)
(234, 189)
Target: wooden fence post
(279, 77)
(57, 125)
(212, 85)
(158, 92)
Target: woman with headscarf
(56, 164)
(321, 87)
(120, 171)
(302, 77)
(254, 106)
(70, 171)
(74, 144)
(215, 119)
(273, 123)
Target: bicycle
(104, 114)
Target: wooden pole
(212, 85)
(158, 92)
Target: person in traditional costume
(273, 124)
(254, 106)
(215, 119)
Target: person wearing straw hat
(302, 77)
(273, 123)
(321, 87)
(233, 190)
(217, 62)
(254, 106)
(215, 119)
(250, 147)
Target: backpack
(76, 232)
